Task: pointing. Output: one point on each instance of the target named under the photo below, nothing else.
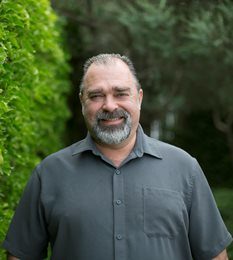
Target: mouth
(115, 119)
(112, 121)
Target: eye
(122, 94)
(96, 97)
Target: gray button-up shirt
(156, 205)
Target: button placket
(119, 215)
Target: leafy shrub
(33, 87)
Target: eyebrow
(100, 90)
(90, 92)
(121, 89)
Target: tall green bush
(33, 87)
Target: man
(117, 194)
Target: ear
(81, 101)
(140, 98)
(80, 97)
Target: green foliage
(224, 198)
(146, 18)
(33, 87)
(210, 34)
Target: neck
(117, 153)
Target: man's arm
(221, 256)
(11, 257)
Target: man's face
(111, 103)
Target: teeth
(112, 119)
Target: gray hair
(105, 59)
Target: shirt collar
(84, 145)
(144, 144)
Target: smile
(112, 121)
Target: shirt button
(119, 237)
(118, 202)
(117, 172)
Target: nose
(109, 104)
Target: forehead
(116, 74)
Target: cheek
(135, 111)
(89, 111)
(134, 107)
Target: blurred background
(183, 54)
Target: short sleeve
(207, 232)
(27, 235)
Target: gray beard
(112, 134)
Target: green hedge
(33, 87)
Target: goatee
(111, 134)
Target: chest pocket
(162, 212)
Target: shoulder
(173, 158)
(168, 151)
(64, 156)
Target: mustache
(102, 115)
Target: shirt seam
(218, 248)
(190, 192)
